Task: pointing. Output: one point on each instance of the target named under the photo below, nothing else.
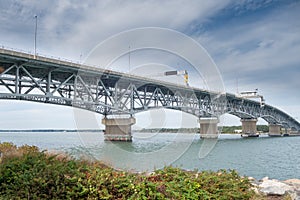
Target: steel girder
(110, 93)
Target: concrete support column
(118, 129)
(249, 127)
(208, 127)
(286, 131)
(274, 130)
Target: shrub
(36, 175)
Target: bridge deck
(39, 67)
(11, 56)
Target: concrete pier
(249, 128)
(286, 131)
(274, 130)
(208, 127)
(118, 129)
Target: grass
(27, 173)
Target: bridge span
(118, 96)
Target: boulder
(274, 187)
(295, 183)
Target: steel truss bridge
(40, 79)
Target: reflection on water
(276, 157)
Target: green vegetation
(231, 129)
(224, 129)
(26, 173)
(170, 130)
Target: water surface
(275, 157)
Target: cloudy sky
(253, 43)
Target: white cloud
(264, 51)
(270, 48)
(67, 28)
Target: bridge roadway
(118, 96)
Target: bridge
(118, 96)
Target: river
(275, 157)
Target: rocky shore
(275, 189)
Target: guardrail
(52, 59)
(37, 54)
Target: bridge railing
(72, 63)
(29, 54)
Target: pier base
(274, 130)
(286, 131)
(249, 128)
(118, 129)
(208, 127)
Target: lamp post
(129, 59)
(35, 33)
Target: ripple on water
(275, 157)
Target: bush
(36, 175)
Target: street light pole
(129, 59)
(35, 33)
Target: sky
(254, 44)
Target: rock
(295, 183)
(255, 189)
(274, 187)
(265, 179)
(254, 182)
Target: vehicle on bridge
(252, 94)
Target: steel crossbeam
(110, 93)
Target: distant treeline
(224, 129)
(231, 129)
(53, 130)
(170, 130)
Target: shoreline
(88, 172)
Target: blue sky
(254, 43)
